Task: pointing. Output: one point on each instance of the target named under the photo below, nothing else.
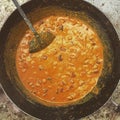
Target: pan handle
(1, 91)
(117, 109)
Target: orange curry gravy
(68, 69)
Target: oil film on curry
(68, 69)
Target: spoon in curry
(40, 41)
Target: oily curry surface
(68, 69)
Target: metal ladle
(41, 40)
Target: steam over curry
(68, 69)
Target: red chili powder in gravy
(68, 69)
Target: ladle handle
(25, 17)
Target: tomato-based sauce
(68, 69)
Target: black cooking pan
(107, 81)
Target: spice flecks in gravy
(68, 69)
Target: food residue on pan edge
(68, 69)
